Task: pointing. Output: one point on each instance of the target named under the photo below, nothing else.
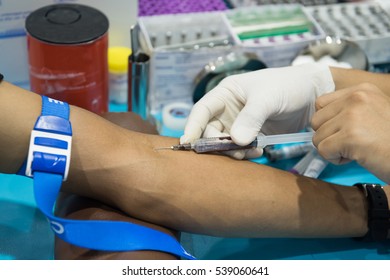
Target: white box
(365, 23)
(172, 68)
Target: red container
(67, 53)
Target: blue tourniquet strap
(52, 107)
(92, 234)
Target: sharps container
(67, 53)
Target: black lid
(66, 24)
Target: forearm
(219, 196)
(18, 112)
(344, 78)
(77, 207)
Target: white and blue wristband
(51, 140)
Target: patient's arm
(344, 78)
(207, 194)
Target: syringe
(225, 143)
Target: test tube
(153, 39)
(303, 163)
(183, 36)
(168, 37)
(316, 166)
(198, 34)
(288, 152)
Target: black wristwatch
(378, 212)
(1, 77)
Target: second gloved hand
(274, 100)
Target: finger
(237, 154)
(214, 129)
(249, 121)
(202, 112)
(254, 153)
(327, 113)
(245, 153)
(328, 98)
(325, 130)
(332, 149)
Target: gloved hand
(354, 124)
(274, 100)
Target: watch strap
(378, 212)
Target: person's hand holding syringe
(272, 101)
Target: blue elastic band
(52, 107)
(100, 235)
(93, 234)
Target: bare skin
(72, 206)
(345, 78)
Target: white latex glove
(273, 100)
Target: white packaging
(365, 23)
(173, 69)
(280, 50)
(175, 62)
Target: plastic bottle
(118, 78)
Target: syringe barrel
(219, 144)
(225, 143)
(265, 140)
